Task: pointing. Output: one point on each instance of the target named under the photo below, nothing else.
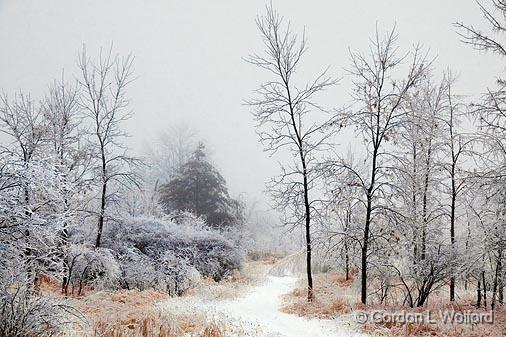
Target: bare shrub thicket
(173, 255)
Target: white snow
(259, 312)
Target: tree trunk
(307, 206)
(478, 295)
(103, 196)
(468, 238)
(365, 243)
(101, 215)
(347, 261)
(363, 292)
(497, 279)
(308, 233)
(414, 206)
(484, 289)
(452, 237)
(346, 249)
(425, 220)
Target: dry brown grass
(337, 297)
(153, 327)
(327, 302)
(145, 327)
(133, 313)
(50, 285)
(397, 329)
(212, 331)
(317, 309)
(437, 303)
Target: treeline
(418, 201)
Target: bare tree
(105, 104)
(420, 143)
(286, 116)
(172, 148)
(456, 147)
(343, 232)
(62, 116)
(378, 114)
(488, 41)
(491, 115)
(21, 120)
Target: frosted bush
(161, 254)
(23, 314)
(95, 267)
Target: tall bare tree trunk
(363, 288)
(497, 279)
(365, 243)
(452, 230)
(346, 248)
(308, 238)
(425, 219)
(101, 215)
(103, 200)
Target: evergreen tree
(199, 188)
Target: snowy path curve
(259, 309)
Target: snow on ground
(258, 313)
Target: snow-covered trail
(260, 310)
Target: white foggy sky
(188, 58)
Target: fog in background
(189, 66)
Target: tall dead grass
(133, 313)
(337, 297)
(328, 303)
(155, 327)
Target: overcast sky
(188, 58)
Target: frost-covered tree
(417, 188)
(21, 121)
(105, 106)
(199, 188)
(65, 148)
(343, 231)
(289, 118)
(490, 115)
(457, 153)
(32, 228)
(380, 89)
(32, 211)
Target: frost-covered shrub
(180, 275)
(139, 271)
(23, 311)
(95, 267)
(162, 254)
(215, 257)
(213, 253)
(165, 272)
(25, 314)
(32, 212)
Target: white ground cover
(257, 313)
